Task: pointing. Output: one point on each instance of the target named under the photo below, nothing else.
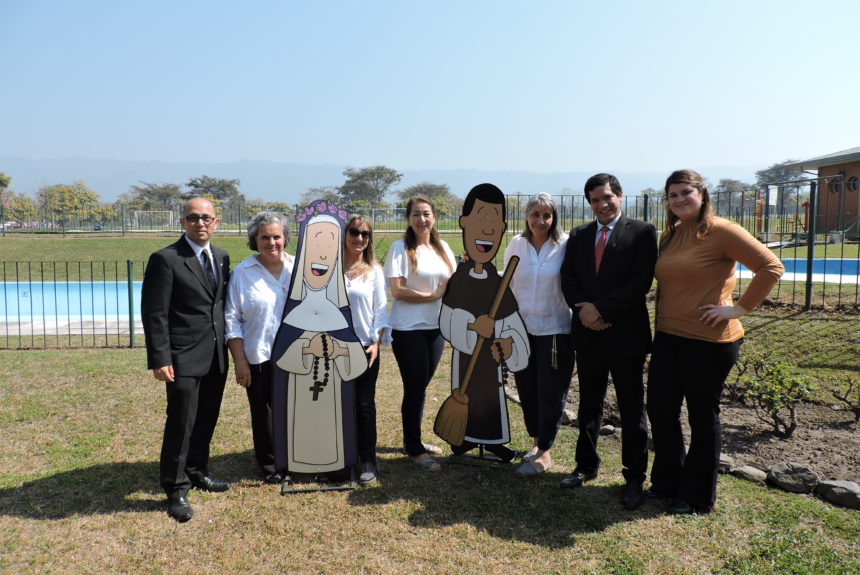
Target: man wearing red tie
(182, 307)
(607, 271)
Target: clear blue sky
(536, 86)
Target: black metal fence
(96, 304)
(69, 304)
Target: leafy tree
(5, 181)
(651, 193)
(223, 193)
(727, 185)
(440, 194)
(778, 173)
(75, 201)
(327, 193)
(218, 188)
(368, 184)
(149, 196)
(14, 206)
(255, 206)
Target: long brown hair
(411, 241)
(368, 256)
(706, 215)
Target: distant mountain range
(286, 182)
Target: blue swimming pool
(837, 267)
(32, 301)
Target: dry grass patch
(79, 493)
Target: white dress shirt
(367, 302)
(537, 285)
(255, 304)
(198, 251)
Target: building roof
(843, 157)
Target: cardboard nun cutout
(481, 320)
(316, 354)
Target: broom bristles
(451, 420)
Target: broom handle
(506, 279)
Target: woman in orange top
(697, 337)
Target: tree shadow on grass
(106, 488)
(532, 510)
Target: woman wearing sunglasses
(365, 286)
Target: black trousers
(417, 353)
(193, 405)
(365, 412)
(695, 371)
(543, 388)
(260, 402)
(594, 366)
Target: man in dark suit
(607, 271)
(182, 306)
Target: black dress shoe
(680, 507)
(577, 478)
(207, 483)
(179, 508)
(504, 453)
(273, 478)
(632, 496)
(652, 494)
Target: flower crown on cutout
(320, 207)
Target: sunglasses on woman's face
(355, 232)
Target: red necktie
(598, 249)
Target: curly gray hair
(266, 218)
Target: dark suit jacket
(183, 318)
(618, 290)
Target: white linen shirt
(367, 302)
(537, 285)
(255, 304)
(431, 270)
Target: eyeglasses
(194, 218)
(355, 232)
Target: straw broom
(451, 420)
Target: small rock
(844, 493)
(794, 477)
(513, 397)
(750, 473)
(607, 430)
(568, 417)
(726, 463)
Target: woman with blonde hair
(544, 384)
(365, 286)
(697, 337)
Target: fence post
(130, 282)
(810, 248)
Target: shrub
(851, 397)
(775, 391)
(736, 389)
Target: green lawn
(79, 494)
(79, 488)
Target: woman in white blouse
(255, 302)
(417, 268)
(536, 284)
(365, 286)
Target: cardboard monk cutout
(481, 320)
(316, 354)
